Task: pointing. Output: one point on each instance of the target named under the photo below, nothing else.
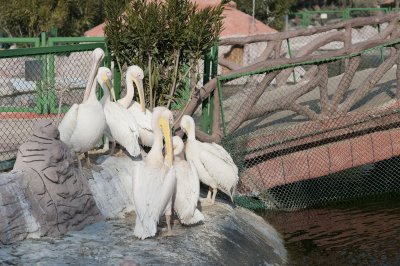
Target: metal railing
(310, 17)
(36, 80)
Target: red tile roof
(235, 22)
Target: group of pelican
(168, 178)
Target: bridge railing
(292, 117)
(238, 52)
(342, 114)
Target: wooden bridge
(340, 111)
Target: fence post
(117, 82)
(346, 14)
(44, 93)
(52, 81)
(39, 85)
(210, 71)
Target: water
(360, 232)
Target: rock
(49, 196)
(112, 187)
(38, 202)
(229, 236)
(17, 222)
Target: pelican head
(177, 145)
(187, 125)
(163, 121)
(136, 74)
(104, 77)
(98, 54)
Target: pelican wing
(123, 127)
(225, 175)
(219, 151)
(144, 122)
(188, 188)
(143, 119)
(153, 189)
(193, 188)
(68, 124)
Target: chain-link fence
(35, 84)
(315, 18)
(331, 134)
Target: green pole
(210, 71)
(221, 107)
(39, 97)
(45, 107)
(204, 122)
(117, 82)
(52, 82)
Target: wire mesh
(35, 88)
(331, 134)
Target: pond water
(360, 232)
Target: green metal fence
(305, 19)
(33, 80)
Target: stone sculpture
(50, 196)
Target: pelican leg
(207, 201)
(113, 144)
(79, 163)
(168, 218)
(209, 193)
(215, 190)
(106, 146)
(169, 228)
(87, 159)
(120, 153)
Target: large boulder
(39, 200)
(229, 236)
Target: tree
(166, 38)
(30, 18)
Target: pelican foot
(166, 233)
(204, 202)
(120, 153)
(176, 222)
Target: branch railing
(277, 68)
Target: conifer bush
(167, 39)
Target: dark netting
(35, 88)
(330, 133)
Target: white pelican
(213, 163)
(83, 125)
(138, 110)
(187, 186)
(155, 184)
(122, 124)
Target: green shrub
(162, 37)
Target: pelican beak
(139, 85)
(109, 86)
(112, 91)
(92, 76)
(186, 128)
(166, 130)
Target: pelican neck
(130, 92)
